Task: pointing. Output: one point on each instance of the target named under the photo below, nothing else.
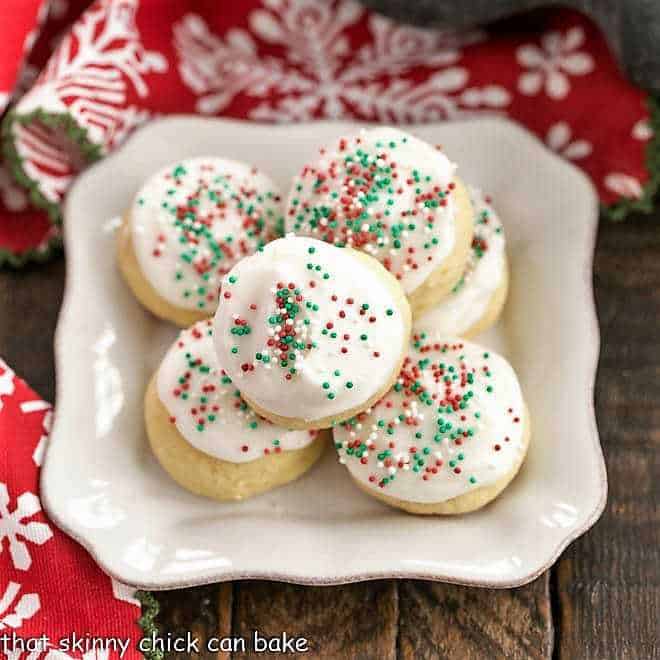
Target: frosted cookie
(448, 438)
(207, 438)
(394, 197)
(311, 334)
(187, 227)
(476, 302)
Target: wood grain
(30, 300)
(202, 613)
(349, 621)
(448, 621)
(608, 582)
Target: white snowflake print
(95, 63)
(642, 130)
(550, 66)
(13, 527)
(15, 608)
(13, 196)
(38, 406)
(624, 185)
(560, 139)
(6, 381)
(320, 75)
(217, 70)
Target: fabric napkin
(49, 586)
(125, 61)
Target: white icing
(499, 423)
(395, 197)
(327, 381)
(231, 430)
(471, 297)
(237, 210)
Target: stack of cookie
(342, 311)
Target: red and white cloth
(48, 584)
(124, 61)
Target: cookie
(311, 334)
(477, 300)
(448, 438)
(206, 436)
(188, 225)
(394, 197)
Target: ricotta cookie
(311, 334)
(206, 436)
(448, 438)
(476, 302)
(187, 227)
(394, 197)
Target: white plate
(102, 486)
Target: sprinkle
(435, 390)
(200, 198)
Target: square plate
(101, 484)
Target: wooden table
(602, 598)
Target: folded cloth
(50, 588)
(124, 61)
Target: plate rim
(223, 574)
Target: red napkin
(124, 61)
(48, 584)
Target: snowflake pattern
(321, 75)
(550, 66)
(560, 139)
(624, 185)
(38, 406)
(6, 381)
(15, 608)
(13, 527)
(642, 130)
(24, 601)
(94, 64)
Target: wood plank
(199, 613)
(348, 621)
(30, 300)
(608, 582)
(448, 621)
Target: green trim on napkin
(34, 255)
(619, 210)
(90, 151)
(150, 609)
